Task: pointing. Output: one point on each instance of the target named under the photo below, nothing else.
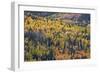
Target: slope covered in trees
(48, 38)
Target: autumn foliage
(53, 39)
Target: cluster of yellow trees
(59, 33)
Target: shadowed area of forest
(56, 36)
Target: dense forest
(56, 36)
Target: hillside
(52, 38)
(73, 17)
